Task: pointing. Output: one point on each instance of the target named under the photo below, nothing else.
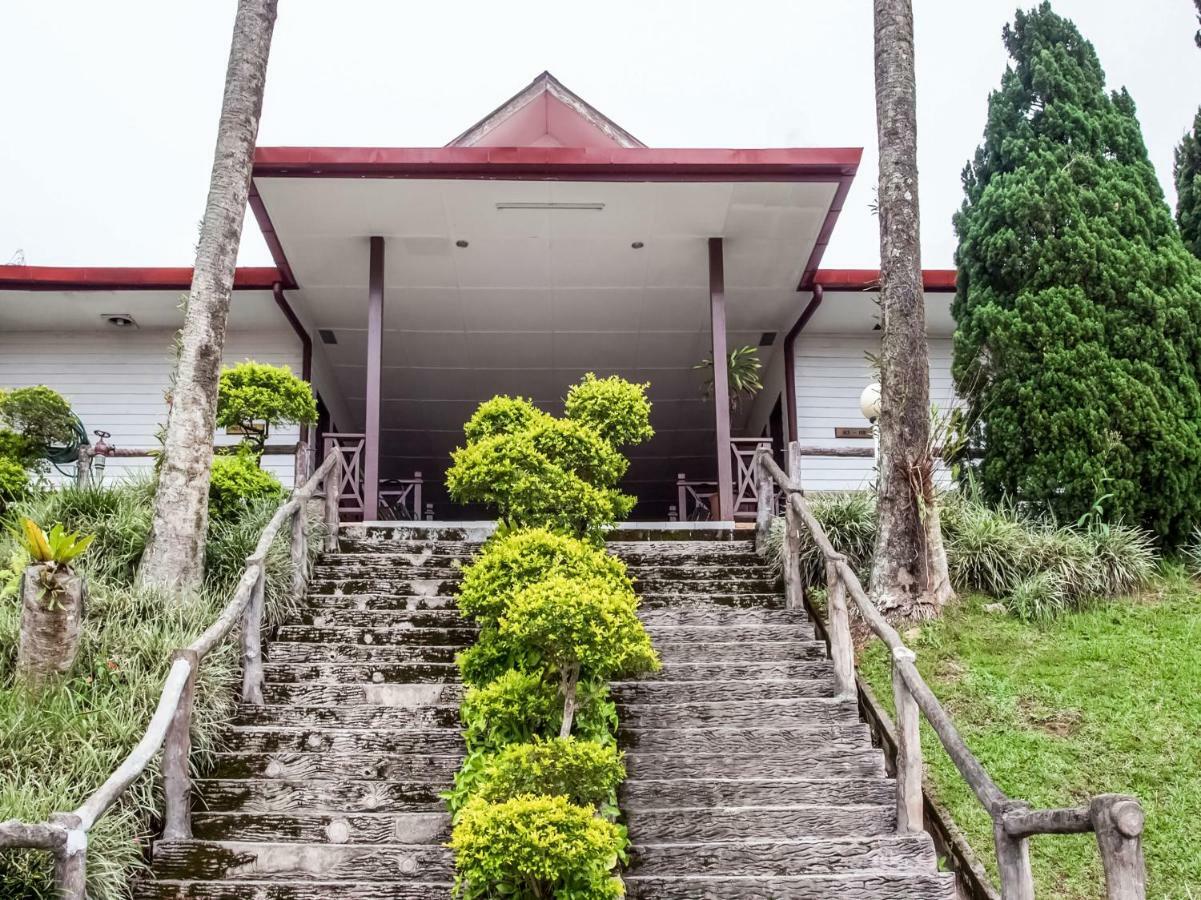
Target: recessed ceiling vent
(767, 339)
(327, 336)
(119, 320)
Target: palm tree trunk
(174, 556)
(909, 567)
(52, 601)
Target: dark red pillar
(721, 380)
(375, 341)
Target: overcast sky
(111, 108)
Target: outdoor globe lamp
(869, 402)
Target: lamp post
(869, 405)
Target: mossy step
(836, 761)
(704, 585)
(248, 889)
(732, 651)
(401, 586)
(393, 654)
(726, 823)
(719, 739)
(381, 618)
(310, 827)
(430, 664)
(776, 670)
(379, 600)
(878, 885)
(753, 633)
(368, 695)
(706, 569)
(430, 638)
(437, 769)
(671, 793)
(444, 715)
(805, 856)
(343, 795)
(722, 615)
(273, 739)
(737, 713)
(424, 555)
(678, 599)
(675, 692)
(248, 861)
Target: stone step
(720, 584)
(249, 795)
(422, 665)
(436, 769)
(247, 861)
(408, 587)
(732, 823)
(722, 615)
(672, 793)
(311, 827)
(393, 655)
(714, 554)
(272, 739)
(429, 532)
(836, 761)
(707, 569)
(247, 889)
(351, 544)
(395, 602)
(338, 634)
(381, 618)
(370, 568)
(778, 670)
(798, 738)
(676, 692)
(708, 634)
(417, 556)
(739, 713)
(685, 538)
(810, 856)
(445, 715)
(370, 695)
(878, 885)
(676, 599)
(739, 651)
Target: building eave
(934, 281)
(112, 278)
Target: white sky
(110, 108)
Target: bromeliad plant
(52, 603)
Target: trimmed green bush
(502, 415)
(13, 481)
(516, 707)
(617, 409)
(251, 395)
(531, 848)
(585, 772)
(19, 449)
(237, 482)
(39, 415)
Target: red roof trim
(551, 163)
(935, 281)
(95, 278)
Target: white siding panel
(831, 373)
(115, 381)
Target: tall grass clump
(60, 745)
(1036, 568)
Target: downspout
(306, 343)
(790, 358)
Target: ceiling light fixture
(637, 245)
(515, 205)
(119, 320)
(460, 243)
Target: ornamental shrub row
(535, 804)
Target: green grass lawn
(1102, 701)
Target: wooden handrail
(1116, 820)
(65, 835)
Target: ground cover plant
(534, 806)
(58, 746)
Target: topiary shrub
(532, 847)
(237, 482)
(502, 415)
(615, 408)
(585, 772)
(252, 395)
(515, 707)
(19, 449)
(14, 482)
(39, 415)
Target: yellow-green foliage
(585, 772)
(534, 847)
(617, 409)
(238, 481)
(251, 394)
(13, 481)
(39, 415)
(501, 415)
(516, 706)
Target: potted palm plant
(52, 603)
(742, 372)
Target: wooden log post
(794, 464)
(177, 749)
(842, 648)
(252, 640)
(300, 550)
(794, 587)
(764, 493)
(909, 748)
(71, 859)
(1118, 822)
(1013, 855)
(333, 490)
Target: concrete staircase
(747, 779)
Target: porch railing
(399, 498)
(695, 500)
(1116, 820)
(66, 834)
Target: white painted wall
(115, 380)
(831, 372)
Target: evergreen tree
(1188, 176)
(1079, 308)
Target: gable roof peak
(546, 113)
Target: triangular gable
(545, 114)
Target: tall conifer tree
(1188, 175)
(1079, 308)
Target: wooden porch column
(721, 380)
(375, 340)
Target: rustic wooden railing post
(1013, 856)
(300, 550)
(794, 465)
(1118, 822)
(794, 587)
(764, 494)
(252, 640)
(842, 649)
(909, 747)
(333, 490)
(71, 859)
(682, 496)
(177, 749)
